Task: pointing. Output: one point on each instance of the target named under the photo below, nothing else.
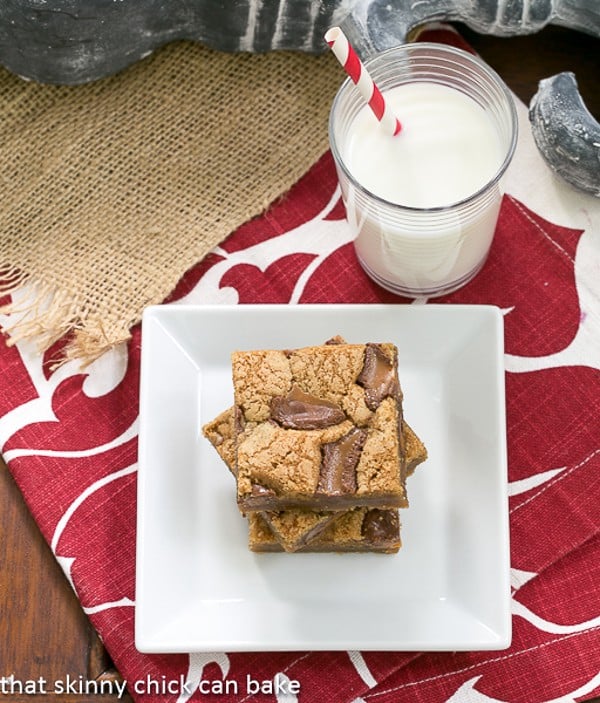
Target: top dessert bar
(319, 428)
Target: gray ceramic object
(74, 41)
(566, 134)
(77, 41)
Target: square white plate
(199, 588)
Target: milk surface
(447, 150)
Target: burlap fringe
(46, 315)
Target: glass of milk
(424, 204)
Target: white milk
(448, 150)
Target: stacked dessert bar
(319, 448)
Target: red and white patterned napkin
(70, 440)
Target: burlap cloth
(111, 191)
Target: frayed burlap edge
(45, 315)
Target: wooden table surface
(43, 631)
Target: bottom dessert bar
(358, 530)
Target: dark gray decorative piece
(566, 134)
(374, 25)
(74, 41)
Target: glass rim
(449, 50)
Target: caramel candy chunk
(339, 462)
(378, 376)
(380, 525)
(302, 411)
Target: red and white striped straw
(355, 68)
